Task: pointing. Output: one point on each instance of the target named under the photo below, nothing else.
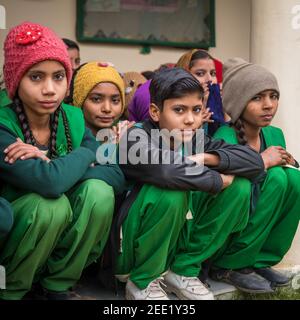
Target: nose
(105, 107)
(208, 77)
(268, 102)
(189, 119)
(48, 87)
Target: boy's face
(102, 107)
(184, 114)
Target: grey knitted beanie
(241, 82)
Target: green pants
(271, 228)
(53, 240)
(6, 218)
(215, 218)
(150, 233)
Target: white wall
(232, 32)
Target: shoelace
(155, 286)
(195, 284)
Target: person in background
(132, 81)
(202, 66)
(74, 52)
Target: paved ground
(90, 288)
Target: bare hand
(227, 180)
(23, 151)
(276, 156)
(121, 128)
(206, 115)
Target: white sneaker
(187, 288)
(153, 292)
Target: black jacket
(237, 160)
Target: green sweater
(56, 177)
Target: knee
(173, 199)
(277, 177)
(102, 196)
(49, 212)
(293, 179)
(240, 188)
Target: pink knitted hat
(27, 44)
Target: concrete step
(90, 288)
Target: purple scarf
(138, 108)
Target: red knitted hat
(28, 44)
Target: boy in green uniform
(162, 240)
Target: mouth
(267, 117)
(49, 103)
(105, 119)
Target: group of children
(165, 227)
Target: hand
(276, 156)
(290, 160)
(20, 150)
(206, 93)
(227, 180)
(121, 128)
(206, 115)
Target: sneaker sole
(171, 289)
(247, 290)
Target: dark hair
(69, 98)
(240, 131)
(148, 74)
(198, 55)
(70, 44)
(171, 84)
(29, 138)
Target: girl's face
(261, 110)
(204, 70)
(43, 88)
(74, 56)
(103, 106)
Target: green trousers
(53, 240)
(6, 218)
(271, 228)
(150, 233)
(215, 218)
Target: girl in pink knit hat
(62, 200)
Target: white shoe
(187, 288)
(154, 291)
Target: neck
(252, 135)
(37, 122)
(93, 129)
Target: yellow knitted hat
(89, 75)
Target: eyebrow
(187, 107)
(103, 94)
(44, 72)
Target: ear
(154, 112)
